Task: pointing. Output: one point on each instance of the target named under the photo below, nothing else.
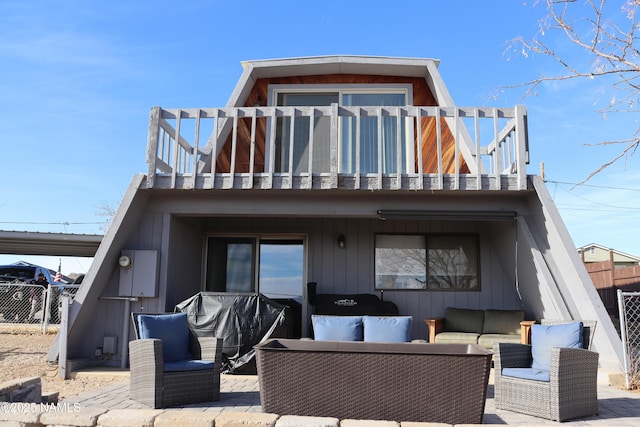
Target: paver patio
(240, 393)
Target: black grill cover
(241, 320)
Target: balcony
(347, 148)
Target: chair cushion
(387, 328)
(463, 320)
(527, 374)
(340, 328)
(188, 365)
(488, 340)
(546, 337)
(171, 329)
(457, 337)
(502, 321)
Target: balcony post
(521, 144)
(333, 147)
(152, 144)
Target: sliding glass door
(273, 267)
(321, 128)
(385, 145)
(372, 150)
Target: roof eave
(341, 64)
(334, 64)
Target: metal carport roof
(53, 244)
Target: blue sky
(78, 79)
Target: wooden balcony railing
(236, 148)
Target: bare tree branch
(607, 37)
(632, 147)
(107, 210)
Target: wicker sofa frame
(150, 385)
(367, 380)
(571, 391)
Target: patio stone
(20, 415)
(368, 423)
(302, 421)
(186, 418)
(245, 419)
(21, 390)
(129, 418)
(424, 424)
(74, 416)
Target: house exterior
(611, 270)
(594, 252)
(357, 173)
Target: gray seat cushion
(457, 337)
(488, 340)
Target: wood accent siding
(422, 96)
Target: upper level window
(377, 146)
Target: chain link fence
(26, 303)
(629, 307)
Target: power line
(601, 204)
(560, 184)
(580, 208)
(594, 186)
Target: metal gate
(629, 308)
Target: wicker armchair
(570, 392)
(159, 382)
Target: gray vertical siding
(351, 270)
(180, 241)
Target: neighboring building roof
(54, 244)
(597, 253)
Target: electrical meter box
(138, 273)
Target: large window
(377, 145)
(273, 267)
(401, 262)
(428, 262)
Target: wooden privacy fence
(608, 279)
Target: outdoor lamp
(341, 241)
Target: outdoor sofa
(482, 327)
(443, 383)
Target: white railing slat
(418, 126)
(456, 136)
(439, 148)
(311, 142)
(252, 149)
(380, 156)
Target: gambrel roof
(428, 90)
